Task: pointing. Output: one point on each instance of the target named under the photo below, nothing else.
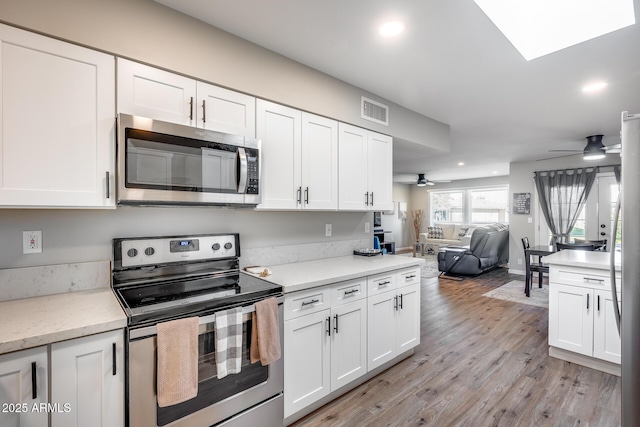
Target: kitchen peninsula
(582, 325)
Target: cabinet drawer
(381, 283)
(586, 277)
(306, 302)
(352, 290)
(408, 277)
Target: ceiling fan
(594, 150)
(422, 181)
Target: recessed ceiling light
(594, 87)
(460, 163)
(537, 28)
(391, 28)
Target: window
(470, 206)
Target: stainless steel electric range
(157, 279)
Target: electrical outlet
(327, 230)
(31, 242)
(519, 261)
(530, 220)
(367, 227)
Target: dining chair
(575, 246)
(532, 266)
(599, 245)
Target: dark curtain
(562, 195)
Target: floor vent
(374, 111)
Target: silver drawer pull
(384, 283)
(352, 291)
(410, 277)
(591, 279)
(313, 301)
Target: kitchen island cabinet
(57, 139)
(582, 327)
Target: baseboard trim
(339, 392)
(589, 362)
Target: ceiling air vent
(374, 111)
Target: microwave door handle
(244, 170)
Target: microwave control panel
(253, 171)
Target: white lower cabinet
(581, 318)
(394, 323)
(335, 334)
(23, 388)
(87, 377)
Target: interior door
(607, 196)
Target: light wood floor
(480, 362)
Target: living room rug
(514, 291)
(430, 268)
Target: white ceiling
(451, 64)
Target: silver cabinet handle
(114, 369)
(350, 292)
(34, 381)
(372, 198)
(328, 330)
(588, 301)
(410, 277)
(591, 279)
(401, 302)
(313, 301)
(335, 326)
(384, 283)
(366, 198)
(191, 109)
(306, 195)
(299, 197)
(395, 302)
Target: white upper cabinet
(57, 122)
(149, 92)
(162, 95)
(365, 169)
(299, 159)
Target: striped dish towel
(228, 341)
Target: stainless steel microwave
(160, 163)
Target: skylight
(539, 27)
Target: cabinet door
(226, 111)
(353, 192)
(279, 129)
(380, 171)
(149, 92)
(408, 318)
(88, 373)
(16, 391)
(348, 342)
(606, 340)
(57, 139)
(307, 364)
(571, 318)
(319, 162)
(381, 329)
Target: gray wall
(521, 181)
(149, 32)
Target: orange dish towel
(265, 334)
(177, 378)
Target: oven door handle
(153, 330)
(244, 170)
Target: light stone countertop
(586, 259)
(36, 321)
(309, 274)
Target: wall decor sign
(522, 203)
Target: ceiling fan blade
(559, 157)
(613, 149)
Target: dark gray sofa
(489, 248)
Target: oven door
(256, 386)
(166, 163)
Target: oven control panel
(161, 250)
